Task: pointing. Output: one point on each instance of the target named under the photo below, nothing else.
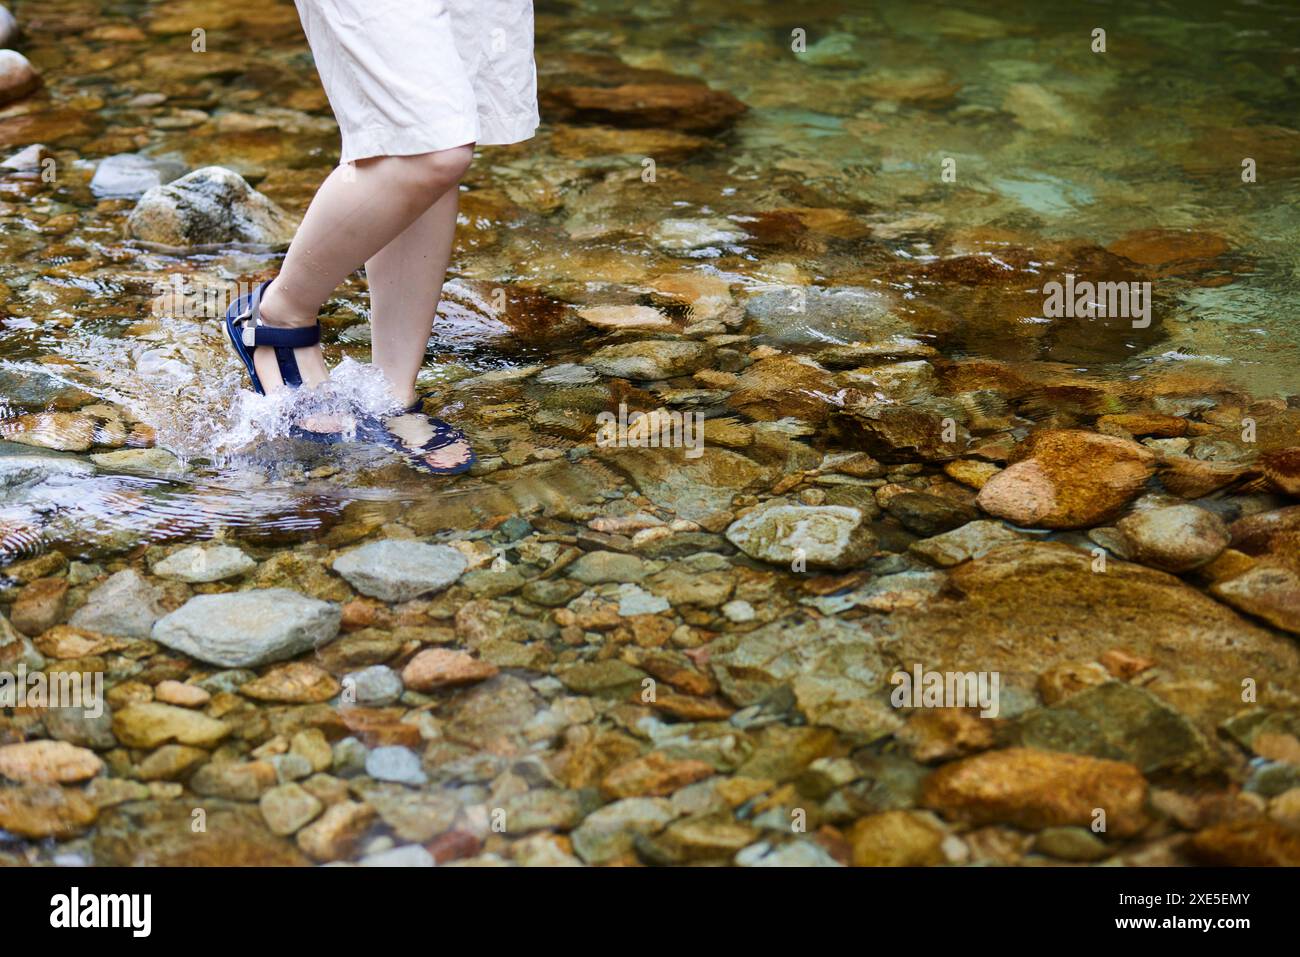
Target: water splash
(353, 390)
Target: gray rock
(814, 316)
(635, 600)
(824, 536)
(349, 757)
(834, 669)
(17, 75)
(290, 767)
(595, 568)
(8, 27)
(792, 854)
(408, 855)
(738, 611)
(611, 831)
(77, 726)
(972, 540)
(567, 373)
(413, 815)
(248, 628)
(125, 606)
(395, 763)
(211, 205)
(399, 570)
(289, 807)
(130, 176)
(649, 360)
(1176, 538)
(17, 650)
(23, 471)
(549, 808)
(30, 159)
(204, 563)
(375, 686)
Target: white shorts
(416, 76)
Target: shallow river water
(831, 232)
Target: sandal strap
(285, 337)
(254, 332)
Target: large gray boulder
(209, 206)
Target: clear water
(1059, 153)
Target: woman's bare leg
(358, 210)
(405, 285)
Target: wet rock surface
(248, 628)
(400, 570)
(209, 206)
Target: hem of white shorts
(504, 130)
(404, 141)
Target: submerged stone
(827, 536)
(649, 360)
(129, 176)
(1176, 538)
(399, 570)
(199, 563)
(125, 605)
(1038, 789)
(249, 628)
(1070, 479)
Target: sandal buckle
(248, 336)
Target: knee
(432, 174)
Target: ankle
(276, 312)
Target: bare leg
(357, 211)
(405, 285)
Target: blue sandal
(246, 332)
(373, 430)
